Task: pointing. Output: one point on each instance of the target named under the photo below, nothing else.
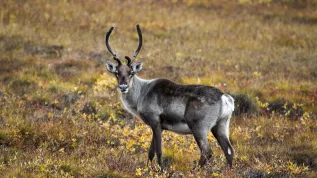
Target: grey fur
(183, 109)
(165, 105)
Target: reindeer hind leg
(221, 133)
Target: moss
(10, 43)
(286, 108)
(304, 155)
(244, 105)
(30, 137)
(11, 65)
(6, 138)
(23, 85)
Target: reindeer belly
(175, 123)
(180, 128)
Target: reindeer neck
(131, 98)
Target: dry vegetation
(60, 115)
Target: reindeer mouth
(124, 90)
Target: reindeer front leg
(157, 143)
(151, 151)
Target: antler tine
(129, 60)
(115, 56)
(140, 42)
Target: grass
(60, 114)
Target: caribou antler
(139, 46)
(115, 56)
(140, 42)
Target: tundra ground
(60, 114)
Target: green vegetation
(60, 115)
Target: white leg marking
(229, 151)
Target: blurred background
(60, 113)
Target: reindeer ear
(111, 67)
(137, 67)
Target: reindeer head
(124, 72)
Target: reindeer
(164, 105)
